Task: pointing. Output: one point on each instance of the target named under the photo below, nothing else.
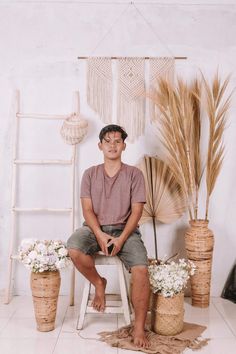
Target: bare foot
(140, 339)
(99, 298)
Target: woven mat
(188, 338)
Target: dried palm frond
(177, 105)
(180, 126)
(195, 91)
(217, 108)
(165, 198)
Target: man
(112, 197)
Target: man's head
(112, 128)
(112, 141)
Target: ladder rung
(109, 298)
(110, 303)
(42, 116)
(44, 162)
(58, 210)
(108, 309)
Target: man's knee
(82, 240)
(73, 240)
(80, 259)
(74, 253)
(139, 271)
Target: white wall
(40, 42)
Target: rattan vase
(167, 314)
(199, 243)
(45, 288)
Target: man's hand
(103, 239)
(116, 243)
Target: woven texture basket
(45, 288)
(167, 314)
(74, 129)
(199, 243)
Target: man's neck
(112, 166)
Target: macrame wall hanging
(99, 87)
(131, 87)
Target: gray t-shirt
(112, 197)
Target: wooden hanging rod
(42, 116)
(59, 210)
(176, 58)
(43, 162)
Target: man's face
(112, 145)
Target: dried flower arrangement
(180, 109)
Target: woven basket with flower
(168, 280)
(44, 258)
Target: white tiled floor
(18, 334)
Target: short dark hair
(112, 128)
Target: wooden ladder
(18, 209)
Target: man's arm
(92, 222)
(131, 225)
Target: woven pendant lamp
(74, 128)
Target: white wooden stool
(115, 303)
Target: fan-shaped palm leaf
(165, 198)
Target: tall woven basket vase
(199, 244)
(167, 314)
(45, 288)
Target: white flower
(27, 244)
(60, 264)
(32, 255)
(50, 249)
(26, 261)
(41, 270)
(45, 255)
(63, 252)
(52, 259)
(40, 247)
(171, 278)
(27, 241)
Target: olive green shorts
(132, 253)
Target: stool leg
(128, 289)
(123, 292)
(84, 302)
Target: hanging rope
(109, 30)
(143, 18)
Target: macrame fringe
(131, 96)
(99, 87)
(131, 116)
